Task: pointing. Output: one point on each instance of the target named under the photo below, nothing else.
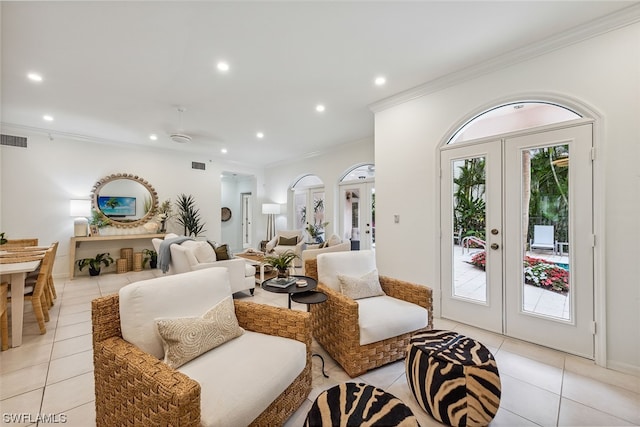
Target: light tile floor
(52, 373)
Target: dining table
(18, 272)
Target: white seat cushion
(253, 368)
(180, 295)
(386, 317)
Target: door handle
(494, 246)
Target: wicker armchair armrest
(340, 315)
(133, 387)
(276, 321)
(410, 292)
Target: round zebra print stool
(358, 404)
(454, 378)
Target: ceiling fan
(179, 136)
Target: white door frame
(599, 211)
(365, 219)
(247, 219)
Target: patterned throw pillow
(186, 338)
(288, 241)
(361, 287)
(222, 252)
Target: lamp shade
(79, 208)
(270, 208)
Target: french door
(521, 263)
(357, 214)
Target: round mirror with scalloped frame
(126, 199)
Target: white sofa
(194, 255)
(224, 386)
(275, 246)
(334, 244)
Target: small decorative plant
(150, 256)
(316, 231)
(94, 264)
(2, 239)
(281, 262)
(164, 213)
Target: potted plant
(189, 216)
(2, 239)
(97, 221)
(151, 256)
(94, 263)
(281, 262)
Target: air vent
(13, 141)
(197, 165)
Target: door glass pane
(373, 217)
(545, 207)
(351, 219)
(469, 220)
(300, 209)
(318, 221)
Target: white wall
(329, 166)
(37, 183)
(603, 73)
(232, 188)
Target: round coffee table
(292, 288)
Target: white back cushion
(178, 295)
(351, 263)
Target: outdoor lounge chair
(543, 238)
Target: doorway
(517, 235)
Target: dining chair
(4, 316)
(34, 291)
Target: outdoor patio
(469, 282)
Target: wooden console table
(76, 241)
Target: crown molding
(622, 18)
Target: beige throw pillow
(361, 287)
(186, 338)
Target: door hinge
(593, 327)
(593, 240)
(593, 153)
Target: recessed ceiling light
(223, 151)
(47, 118)
(260, 135)
(320, 108)
(34, 77)
(380, 80)
(153, 137)
(223, 66)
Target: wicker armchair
(336, 328)
(135, 388)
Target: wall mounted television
(117, 206)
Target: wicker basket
(127, 253)
(121, 265)
(137, 261)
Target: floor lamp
(271, 210)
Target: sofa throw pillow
(361, 287)
(288, 241)
(334, 240)
(186, 338)
(204, 252)
(222, 252)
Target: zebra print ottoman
(358, 404)
(454, 378)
